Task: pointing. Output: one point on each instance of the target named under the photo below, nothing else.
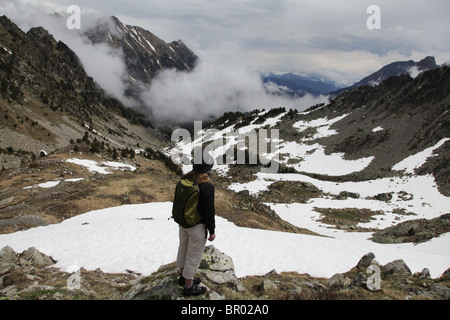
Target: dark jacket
(206, 206)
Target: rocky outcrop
(31, 257)
(416, 231)
(31, 275)
(19, 267)
(216, 268)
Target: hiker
(193, 239)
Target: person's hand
(212, 237)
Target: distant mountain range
(398, 68)
(298, 85)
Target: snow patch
(103, 168)
(416, 161)
(379, 128)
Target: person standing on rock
(193, 239)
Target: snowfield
(141, 238)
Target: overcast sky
(326, 37)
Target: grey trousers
(190, 250)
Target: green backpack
(184, 210)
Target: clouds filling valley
(215, 86)
(222, 80)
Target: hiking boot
(194, 290)
(182, 280)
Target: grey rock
(365, 261)
(8, 255)
(339, 280)
(446, 273)
(160, 289)
(9, 292)
(441, 289)
(219, 268)
(215, 260)
(267, 284)
(34, 257)
(425, 274)
(359, 281)
(397, 266)
(36, 287)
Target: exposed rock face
(144, 53)
(30, 257)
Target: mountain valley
(371, 164)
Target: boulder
(35, 258)
(164, 287)
(397, 266)
(359, 281)
(268, 284)
(425, 274)
(365, 261)
(219, 268)
(215, 268)
(8, 255)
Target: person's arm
(206, 208)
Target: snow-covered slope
(142, 238)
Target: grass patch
(347, 217)
(290, 191)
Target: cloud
(220, 82)
(101, 62)
(323, 37)
(283, 35)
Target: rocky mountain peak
(394, 69)
(428, 63)
(144, 53)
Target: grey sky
(327, 37)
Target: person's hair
(197, 177)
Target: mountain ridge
(48, 99)
(144, 54)
(397, 68)
(298, 85)
(341, 166)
